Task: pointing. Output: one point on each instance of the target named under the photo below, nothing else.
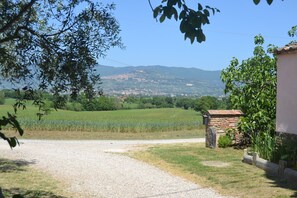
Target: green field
(122, 121)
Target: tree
(293, 31)
(252, 88)
(57, 42)
(184, 103)
(191, 20)
(205, 103)
(2, 97)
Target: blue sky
(230, 34)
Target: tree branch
(150, 3)
(17, 17)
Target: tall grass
(140, 120)
(107, 126)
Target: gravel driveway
(96, 169)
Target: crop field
(122, 121)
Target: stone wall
(219, 121)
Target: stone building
(216, 122)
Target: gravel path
(96, 169)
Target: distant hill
(155, 80)
(160, 80)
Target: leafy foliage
(205, 103)
(265, 145)
(201, 104)
(57, 42)
(2, 97)
(191, 20)
(62, 43)
(286, 149)
(224, 141)
(293, 31)
(252, 88)
(258, 1)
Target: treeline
(201, 104)
(81, 103)
(107, 103)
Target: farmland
(138, 121)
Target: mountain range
(155, 80)
(159, 80)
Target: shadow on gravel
(21, 193)
(283, 183)
(13, 165)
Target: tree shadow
(7, 165)
(22, 193)
(277, 181)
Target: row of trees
(104, 103)
(201, 104)
(2, 98)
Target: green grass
(16, 177)
(237, 179)
(166, 123)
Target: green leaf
(171, 12)
(182, 14)
(175, 13)
(166, 11)
(269, 1)
(156, 12)
(200, 6)
(179, 4)
(256, 2)
(12, 142)
(170, 3)
(192, 38)
(206, 12)
(183, 26)
(162, 18)
(200, 36)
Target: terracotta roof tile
(224, 112)
(287, 48)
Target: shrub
(224, 141)
(74, 106)
(264, 144)
(2, 98)
(275, 148)
(286, 149)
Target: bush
(286, 149)
(224, 141)
(264, 144)
(275, 148)
(74, 106)
(2, 98)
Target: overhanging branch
(18, 16)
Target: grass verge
(17, 178)
(83, 135)
(237, 179)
